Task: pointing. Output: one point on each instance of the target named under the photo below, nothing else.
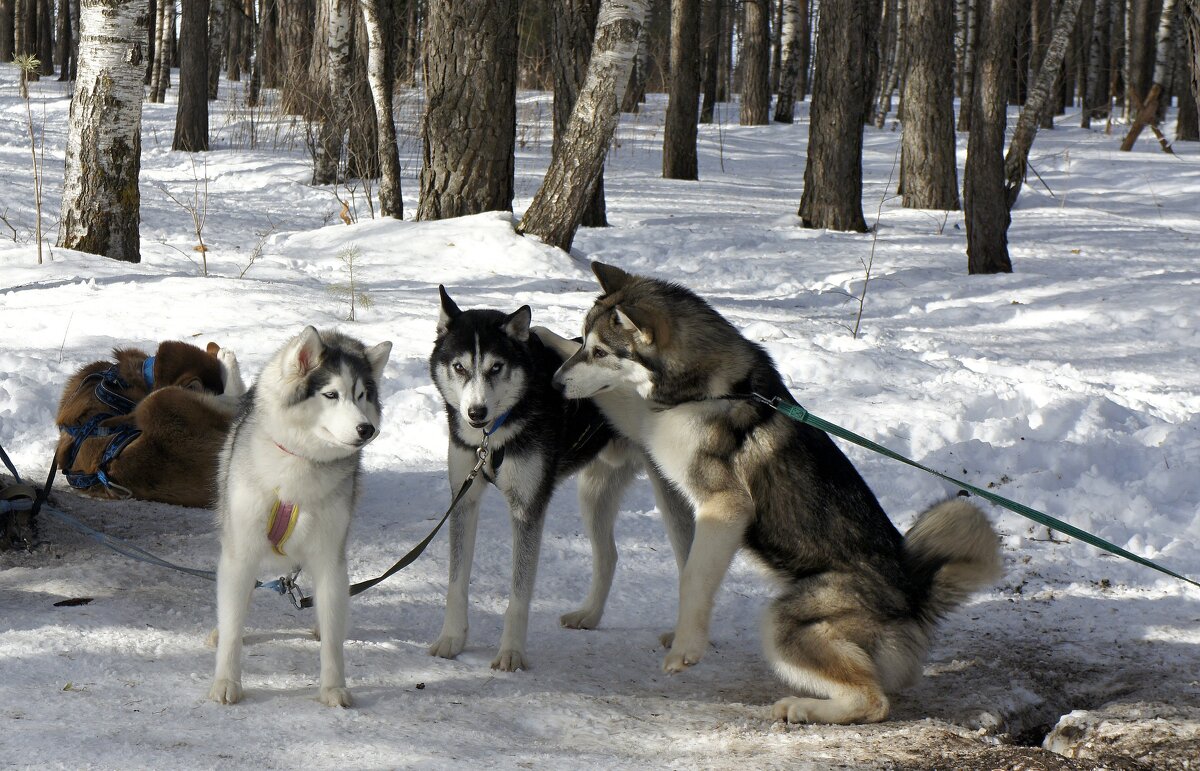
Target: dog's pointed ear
(650, 327)
(516, 325)
(611, 278)
(449, 311)
(377, 357)
(305, 354)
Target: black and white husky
(287, 485)
(495, 379)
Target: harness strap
(801, 415)
(281, 524)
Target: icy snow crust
(1071, 385)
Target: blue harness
(108, 392)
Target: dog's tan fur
(183, 426)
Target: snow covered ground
(1072, 385)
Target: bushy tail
(951, 552)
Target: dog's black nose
(477, 414)
(365, 430)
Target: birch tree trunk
(1041, 15)
(1037, 101)
(679, 134)
(191, 117)
(756, 61)
(792, 12)
(338, 50)
(160, 75)
(380, 67)
(218, 28)
(556, 210)
(986, 215)
(1148, 114)
(470, 123)
(101, 202)
(927, 159)
(832, 196)
(574, 31)
(967, 98)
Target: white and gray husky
(287, 486)
(858, 600)
(495, 380)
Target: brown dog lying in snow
(149, 427)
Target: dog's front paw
(225, 691)
(335, 697)
(510, 660)
(667, 639)
(683, 655)
(231, 373)
(448, 646)
(584, 618)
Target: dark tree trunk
(297, 22)
(65, 52)
(45, 36)
(832, 196)
(191, 119)
(101, 202)
(469, 126)
(7, 31)
(928, 156)
(1041, 22)
(725, 52)
(756, 61)
(1189, 16)
(362, 158)
(986, 211)
(574, 31)
(710, 37)
(679, 135)
(1095, 100)
(556, 210)
(1187, 126)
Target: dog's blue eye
(330, 394)
(496, 368)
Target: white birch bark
(379, 76)
(159, 71)
(101, 201)
(789, 35)
(557, 209)
(338, 71)
(1147, 113)
(1027, 123)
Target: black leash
(482, 454)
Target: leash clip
(288, 587)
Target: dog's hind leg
(601, 485)
(824, 658)
(331, 595)
(463, 523)
(235, 582)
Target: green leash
(801, 415)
